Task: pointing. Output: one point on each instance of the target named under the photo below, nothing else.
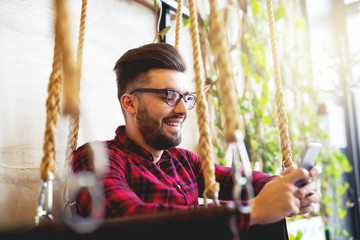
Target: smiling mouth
(174, 121)
(174, 124)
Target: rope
(62, 60)
(74, 117)
(211, 186)
(62, 29)
(227, 84)
(178, 23)
(52, 115)
(279, 96)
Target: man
(147, 173)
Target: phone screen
(309, 158)
(310, 155)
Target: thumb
(296, 175)
(288, 170)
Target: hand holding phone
(308, 159)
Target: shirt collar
(131, 147)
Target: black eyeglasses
(172, 98)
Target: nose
(181, 108)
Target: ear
(129, 103)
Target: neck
(137, 137)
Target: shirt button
(179, 187)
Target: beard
(153, 131)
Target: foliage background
(306, 111)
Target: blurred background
(319, 53)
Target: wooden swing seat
(201, 223)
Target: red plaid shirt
(133, 184)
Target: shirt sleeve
(224, 177)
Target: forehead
(165, 78)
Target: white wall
(26, 50)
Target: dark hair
(132, 67)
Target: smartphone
(308, 158)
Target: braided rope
(62, 29)
(211, 186)
(63, 58)
(227, 84)
(279, 96)
(178, 23)
(52, 115)
(48, 162)
(74, 117)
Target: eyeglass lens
(173, 98)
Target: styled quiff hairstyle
(132, 67)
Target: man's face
(159, 123)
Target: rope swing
(178, 23)
(62, 62)
(279, 95)
(75, 116)
(237, 153)
(205, 144)
(227, 85)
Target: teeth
(173, 123)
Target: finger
(315, 171)
(297, 175)
(288, 170)
(307, 209)
(307, 189)
(310, 199)
(296, 207)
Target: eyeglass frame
(166, 92)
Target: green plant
(164, 31)
(297, 237)
(335, 190)
(253, 75)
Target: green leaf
(255, 7)
(340, 189)
(346, 166)
(327, 199)
(245, 64)
(341, 213)
(265, 94)
(222, 161)
(222, 112)
(329, 210)
(164, 31)
(299, 235)
(157, 5)
(254, 144)
(187, 23)
(279, 13)
(259, 112)
(300, 23)
(258, 53)
(345, 233)
(325, 136)
(256, 77)
(266, 120)
(214, 102)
